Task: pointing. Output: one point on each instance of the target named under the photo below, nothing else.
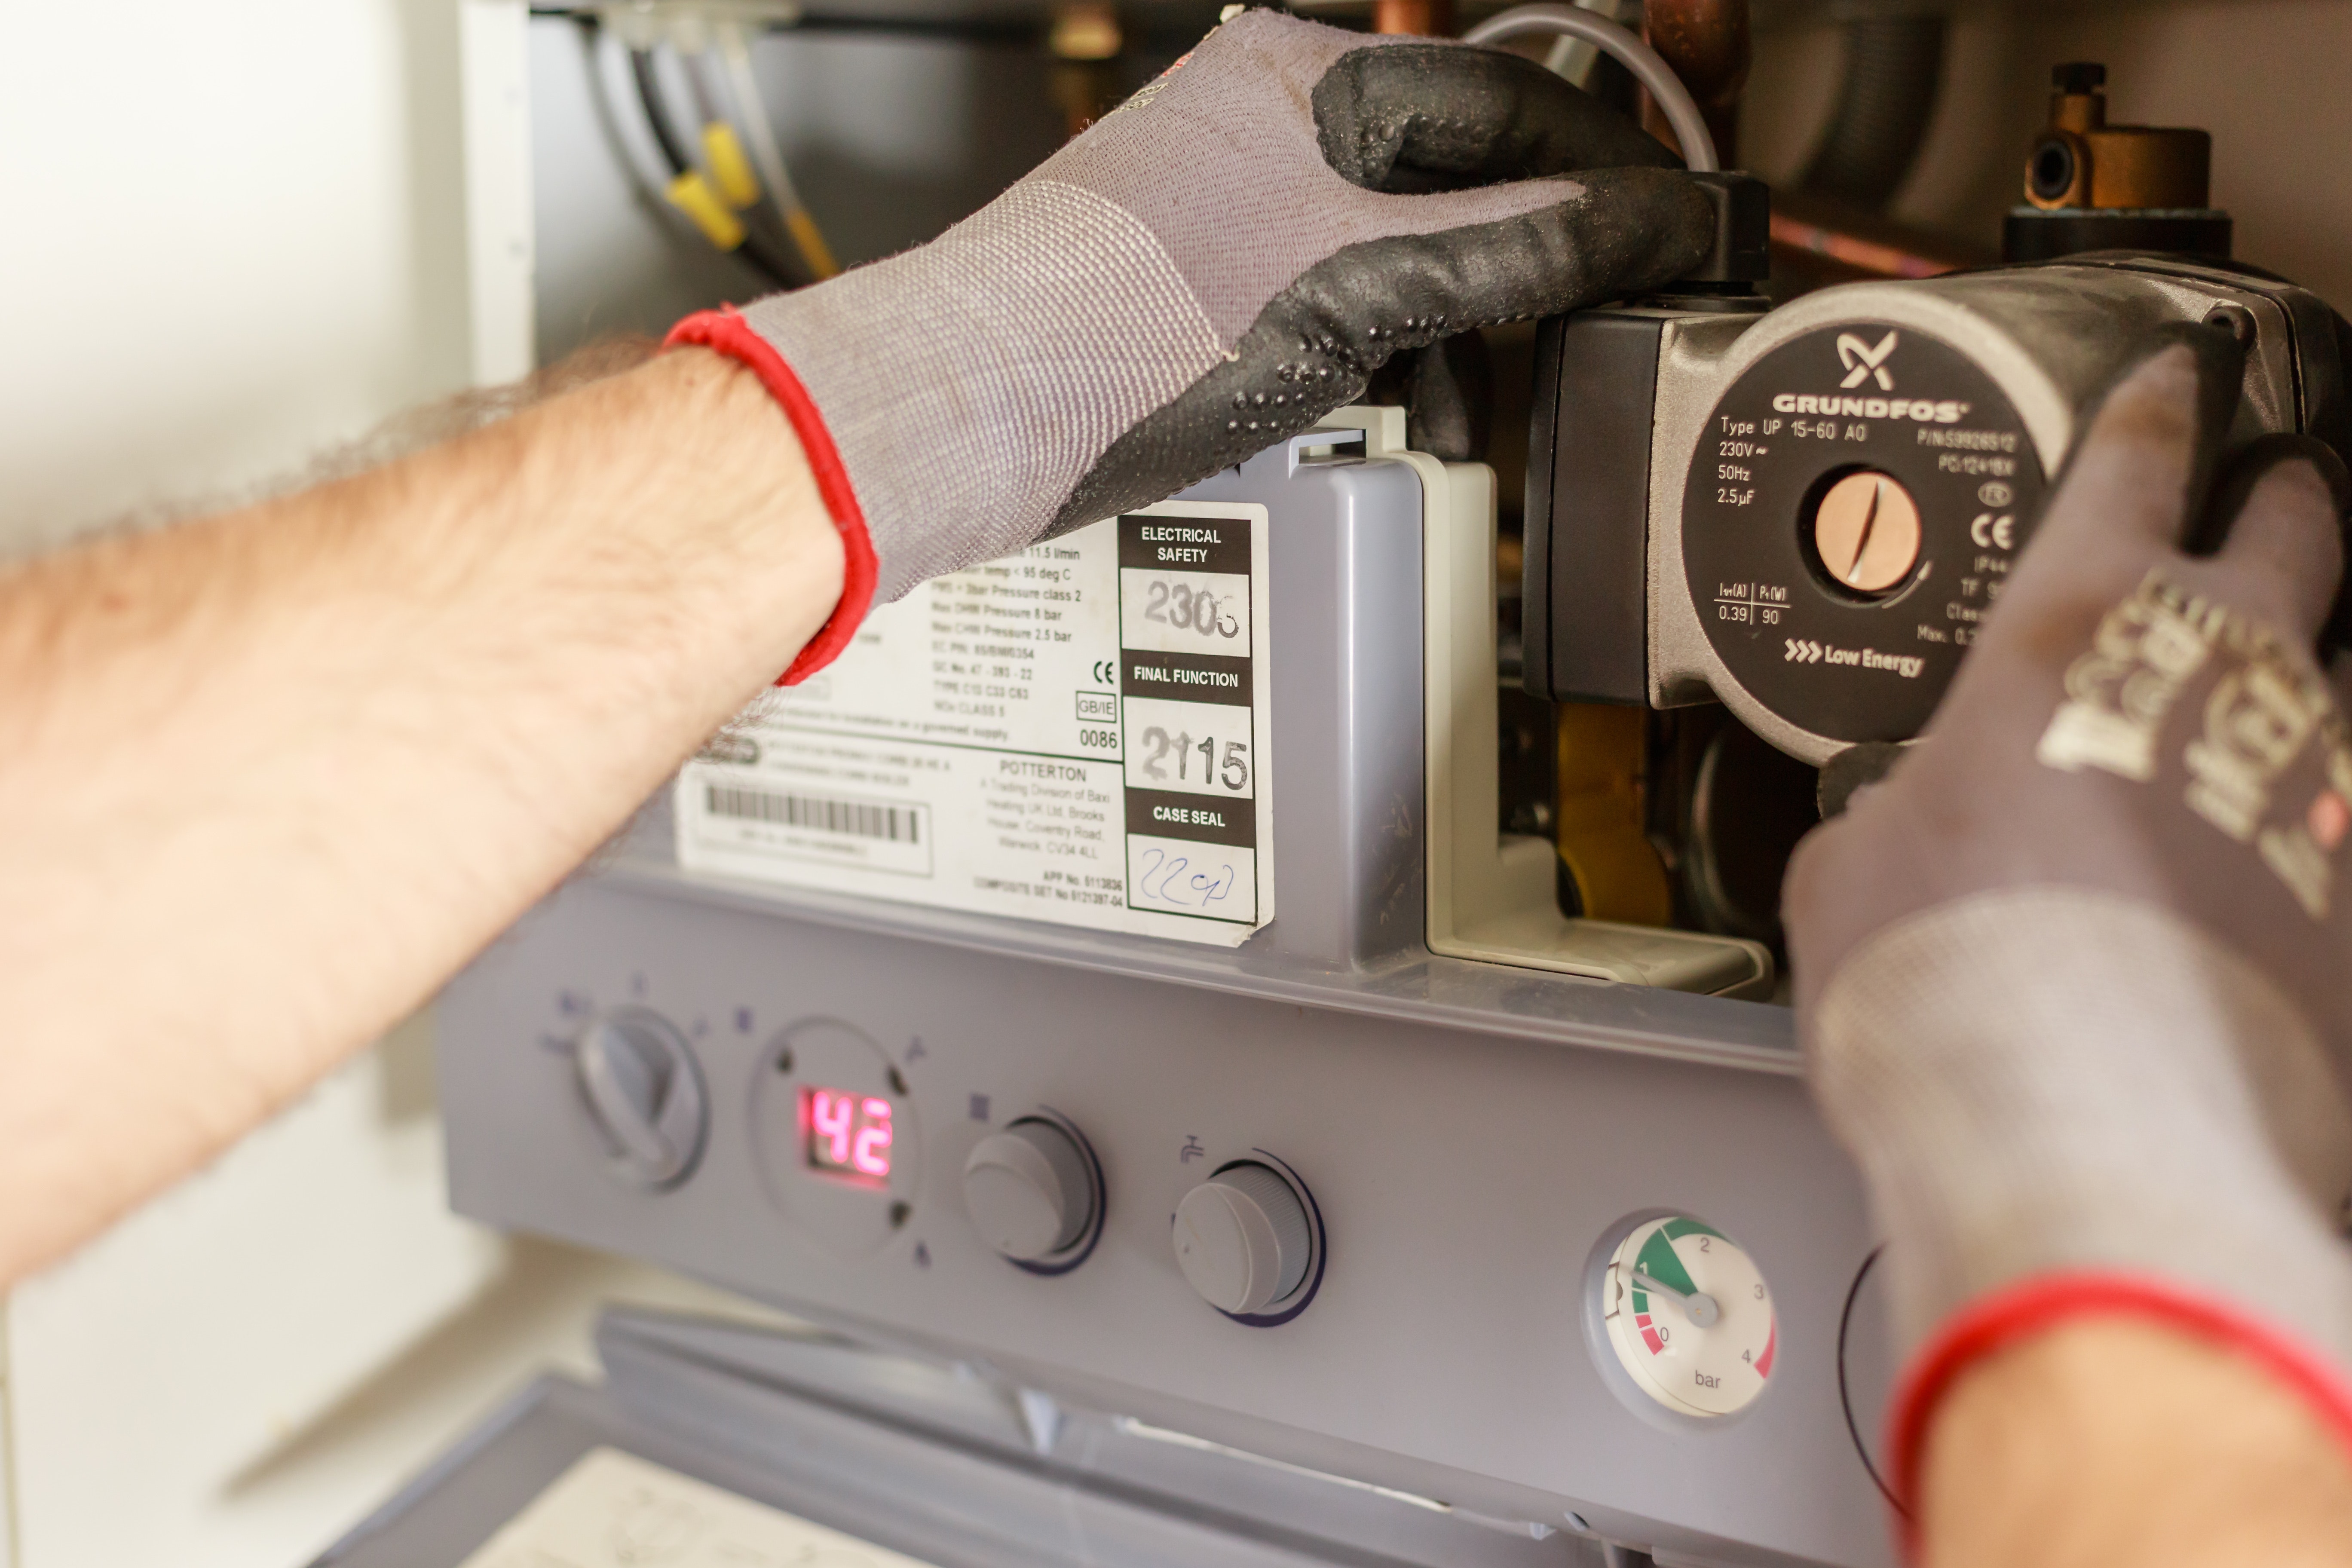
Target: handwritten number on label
(1172, 880)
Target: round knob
(1030, 1190)
(642, 1093)
(1243, 1239)
(1866, 530)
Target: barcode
(856, 819)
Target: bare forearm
(2109, 1443)
(267, 779)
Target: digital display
(848, 1135)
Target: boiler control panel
(1582, 1287)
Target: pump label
(1845, 661)
(1078, 733)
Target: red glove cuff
(725, 331)
(1995, 1322)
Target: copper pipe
(1818, 240)
(1427, 18)
(1876, 258)
(1708, 43)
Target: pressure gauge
(1690, 1317)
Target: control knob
(1032, 1190)
(1245, 1240)
(643, 1093)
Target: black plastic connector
(1742, 253)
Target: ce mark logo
(1106, 672)
(1990, 533)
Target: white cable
(751, 108)
(1573, 58)
(1650, 70)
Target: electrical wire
(673, 151)
(735, 55)
(1571, 57)
(698, 80)
(722, 147)
(693, 194)
(1649, 69)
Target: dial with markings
(1690, 1317)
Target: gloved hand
(1216, 264)
(2076, 979)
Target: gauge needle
(1697, 1306)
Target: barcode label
(874, 834)
(858, 818)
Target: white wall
(240, 233)
(156, 1376)
(235, 234)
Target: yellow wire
(693, 195)
(728, 166)
(813, 248)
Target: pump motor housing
(1805, 513)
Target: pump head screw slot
(784, 1061)
(897, 1082)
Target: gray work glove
(2075, 980)
(1216, 264)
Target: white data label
(1077, 733)
(612, 1510)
